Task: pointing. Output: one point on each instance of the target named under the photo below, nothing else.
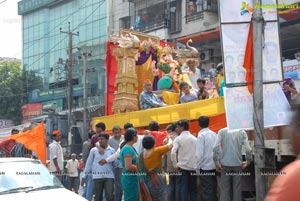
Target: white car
(28, 179)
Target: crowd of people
(159, 165)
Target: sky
(10, 29)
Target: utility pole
(84, 56)
(70, 84)
(258, 117)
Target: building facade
(175, 21)
(45, 49)
(180, 20)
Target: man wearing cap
(148, 99)
(56, 155)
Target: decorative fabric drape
(111, 72)
(144, 71)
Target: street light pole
(84, 60)
(70, 84)
(258, 117)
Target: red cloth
(111, 72)
(159, 137)
(248, 60)
(6, 145)
(215, 124)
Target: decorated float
(133, 57)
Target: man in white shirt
(193, 72)
(184, 160)
(56, 155)
(205, 163)
(72, 169)
(114, 142)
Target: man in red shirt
(100, 127)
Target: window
(125, 22)
(150, 17)
(195, 8)
(174, 22)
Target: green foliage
(15, 85)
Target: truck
(128, 84)
(72, 139)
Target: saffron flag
(34, 140)
(248, 60)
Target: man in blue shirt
(148, 99)
(103, 175)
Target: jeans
(173, 188)
(188, 185)
(208, 184)
(106, 184)
(88, 190)
(64, 180)
(231, 183)
(118, 191)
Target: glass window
(45, 44)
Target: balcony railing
(194, 16)
(150, 26)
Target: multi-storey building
(175, 21)
(180, 20)
(45, 48)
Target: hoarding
(31, 110)
(291, 69)
(239, 107)
(6, 123)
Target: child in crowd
(202, 93)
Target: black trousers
(208, 183)
(106, 184)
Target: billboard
(239, 107)
(235, 22)
(6, 123)
(233, 11)
(291, 69)
(31, 110)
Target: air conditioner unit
(204, 55)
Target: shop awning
(201, 37)
(289, 14)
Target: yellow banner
(165, 115)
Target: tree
(15, 86)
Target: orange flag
(248, 60)
(34, 140)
